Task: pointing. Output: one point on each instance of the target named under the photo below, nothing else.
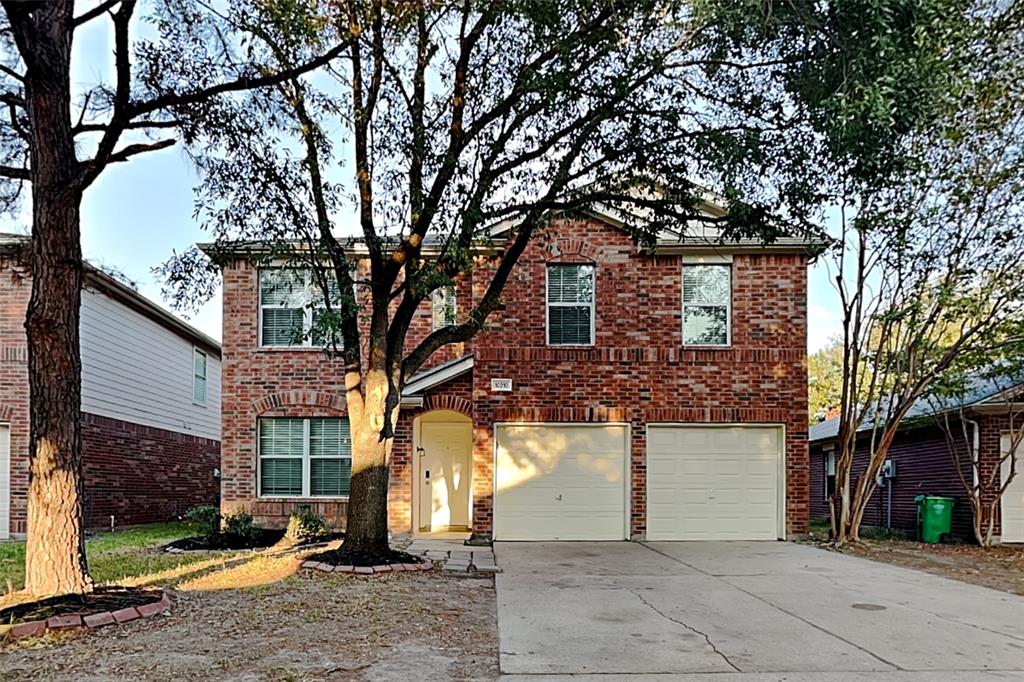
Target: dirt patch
(1000, 568)
(100, 600)
(265, 619)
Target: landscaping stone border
(366, 570)
(90, 621)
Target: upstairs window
(198, 376)
(442, 304)
(707, 305)
(290, 304)
(305, 457)
(570, 305)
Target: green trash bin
(934, 517)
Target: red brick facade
(637, 372)
(140, 474)
(15, 288)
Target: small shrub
(306, 526)
(205, 520)
(240, 525)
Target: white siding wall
(139, 371)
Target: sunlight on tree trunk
(55, 560)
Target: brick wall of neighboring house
(637, 372)
(924, 466)
(15, 289)
(140, 474)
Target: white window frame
(307, 310)
(195, 377)
(548, 304)
(830, 465)
(306, 466)
(438, 297)
(683, 305)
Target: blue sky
(138, 213)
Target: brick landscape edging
(90, 621)
(365, 570)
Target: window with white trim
(570, 305)
(199, 362)
(830, 474)
(442, 304)
(291, 303)
(707, 304)
(304, 457)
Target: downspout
(975, 455)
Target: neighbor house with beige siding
(150, 403)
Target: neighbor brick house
(618, 393)
(150, 403)
(922, 463)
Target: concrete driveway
(749, 611)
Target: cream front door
(445, 457)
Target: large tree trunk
(366, 528)
(55, 560)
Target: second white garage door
(560, 482)
(1013, 499)
(713, 483)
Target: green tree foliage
(824, 381)
(931, 261)
(446, 119)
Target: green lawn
(112, 556)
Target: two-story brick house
(150, 403)
(619, 393)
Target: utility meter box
(889, 469)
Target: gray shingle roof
(979, 390)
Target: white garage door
(1013, 500)
(560, 482)
(5, 481)
(713, 483)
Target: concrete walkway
(744, 611)
(454, 555)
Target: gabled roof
(98, 280)
(982, 392)
(435, 376)
(695, 237)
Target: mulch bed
(100, 600)
(264, 538)
(346, 557)
(267, 537)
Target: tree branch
(96, 11)
(136, 149)
(15, 173)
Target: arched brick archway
(571, 251)
(448, 402)
(305, 398)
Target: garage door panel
(713, 483)
(1012, 504)
(560, 482)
